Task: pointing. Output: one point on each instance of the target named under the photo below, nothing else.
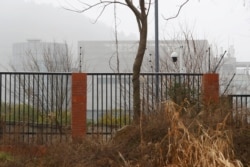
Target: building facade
(109, 56)
(234, 75)
(38, 56)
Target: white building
(101, 56)
(234, 76)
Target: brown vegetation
(174, 136)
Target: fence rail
(35, 107)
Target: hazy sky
(222, 22)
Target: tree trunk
(137, 69)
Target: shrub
(115, 118)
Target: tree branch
(177, 14)
(90, 6)
(133, 8)
(87, 7)
(149, 5)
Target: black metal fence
(110, 101)
(240, 110)
(35, 107)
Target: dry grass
(171, 137)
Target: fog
(224, 22)
(21, 20)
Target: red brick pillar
(79, 105)
(210, 88)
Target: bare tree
(46, 57)
(140, 10)
(48, 93)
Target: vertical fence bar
(245, 111)
(66, 104)
(120, 108)
(9, 108)
(19, 107)
(151, 77)
(56, 106)
(42, 113)
(14, 109)
(5, 98)
(166, 87)
(106, 103)
(241, 109)
(52, 107)
(199, 90)
(129, 105)
(93, 108)
(143, 92)
(161, 89)
(236, 110)
(111, 103)
(184, 84)
(61, 108)
(115, 101)
(29, 94)
(232, 108)
(147, 94)
(47, 108)
(31, 121)
(191, 81)
(102, 110)
(36, 114)
(125, 99)
(97, 103)
(1, 83)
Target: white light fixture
(175, 56)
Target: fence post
(79, 105)
(210, 88)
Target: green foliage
(180, 91)
(115, 118)
(26, 113)
(89, 122)
(5, 156)
(21, 112)
(185, 94)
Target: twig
(177, 14)
(125, 162)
